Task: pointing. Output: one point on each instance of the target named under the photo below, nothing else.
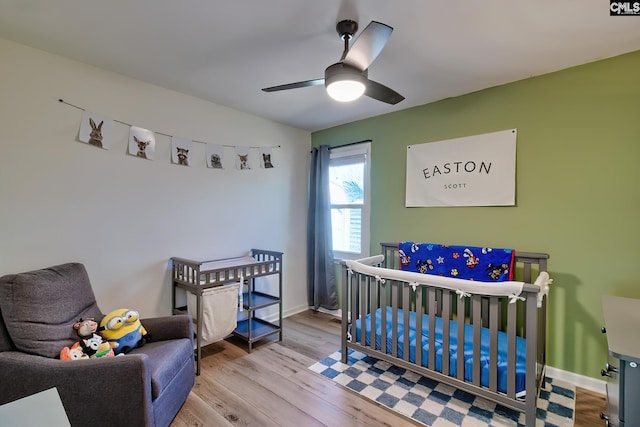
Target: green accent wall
(577, 188)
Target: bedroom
(124, 218)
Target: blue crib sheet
(453, 347)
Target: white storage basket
(219, 311)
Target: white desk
(40, 409)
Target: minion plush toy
(123, 330)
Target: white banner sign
(477, 170)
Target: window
(349, 170)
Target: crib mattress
(453, 347)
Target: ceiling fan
(347, 80)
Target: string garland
(165, 134)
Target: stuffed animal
(104, 350)
(95, 347)
(90, 346)
(85, 328)
(123, 330)
(73, 353)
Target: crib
(388, 314)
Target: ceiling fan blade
(382, 93)
(306, 83)
(366, 48)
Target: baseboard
(295, 310)
(300, 309)
(582, 381)
(336, 313)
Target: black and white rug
(438, 405)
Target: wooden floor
(272, 386)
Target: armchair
(146, 387)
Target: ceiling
(226, 51)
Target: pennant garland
(97, 129)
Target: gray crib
(504, 341)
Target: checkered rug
(434, 404)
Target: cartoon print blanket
(462, 262)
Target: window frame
(363, 148)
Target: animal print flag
(180, 150)
(265, 157)
(215, 156)
(95, 129)
(242, 158)
(142, 143)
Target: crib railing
(363, 294)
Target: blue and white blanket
(461, 262)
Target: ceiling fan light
(345, 90)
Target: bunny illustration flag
(95, 129)
(142, 143)
(215, 156)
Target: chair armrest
(90, 390)
(169, 327)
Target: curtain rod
(350, 143)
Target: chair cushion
(167, 358)
(40, 307)
(5, 339)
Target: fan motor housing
(340, 70)
(347, 28)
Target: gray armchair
(145, 387)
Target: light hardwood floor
(272, 386)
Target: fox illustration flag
(243, 159)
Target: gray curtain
(321, 277)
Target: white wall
(62, 200)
